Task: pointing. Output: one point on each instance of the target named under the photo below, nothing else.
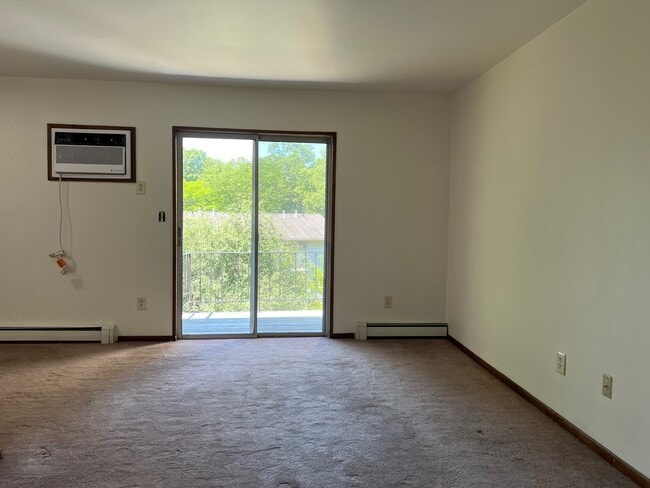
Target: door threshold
(251, 336)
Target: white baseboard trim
(370, 330)
(104, 333)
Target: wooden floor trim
(632, 473)
(145, 338)
(342, 335)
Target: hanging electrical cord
(58, 255)
(60, 212)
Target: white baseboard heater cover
(104, 333)
(370, 330)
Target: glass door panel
(217, 255)
(291, 237)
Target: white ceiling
(404, 45)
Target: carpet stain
(286, 482)
(44, 452)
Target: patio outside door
(253, 232)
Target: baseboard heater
(376, 330)
(104, 333)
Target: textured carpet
(309, 412)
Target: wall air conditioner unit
(91, 152)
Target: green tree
(196, 195)
(230, 233)
(291, 179)
(223, 187)
(193, 162)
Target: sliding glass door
(253, 230)
(217, 257)
(291, 247)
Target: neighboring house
(306, 230)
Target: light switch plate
(607, 385)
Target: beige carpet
(310, 412)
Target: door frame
(328, 302)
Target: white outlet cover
(560, 363)
(607, 385)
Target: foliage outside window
(217, 230)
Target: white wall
(391, 199)
(550, 220)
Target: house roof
(300, 227)
(292, 226)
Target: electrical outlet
(607, 385)
(560, 363)
(141, 303)
(361, 333)
(388, 301)
(140, 188)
